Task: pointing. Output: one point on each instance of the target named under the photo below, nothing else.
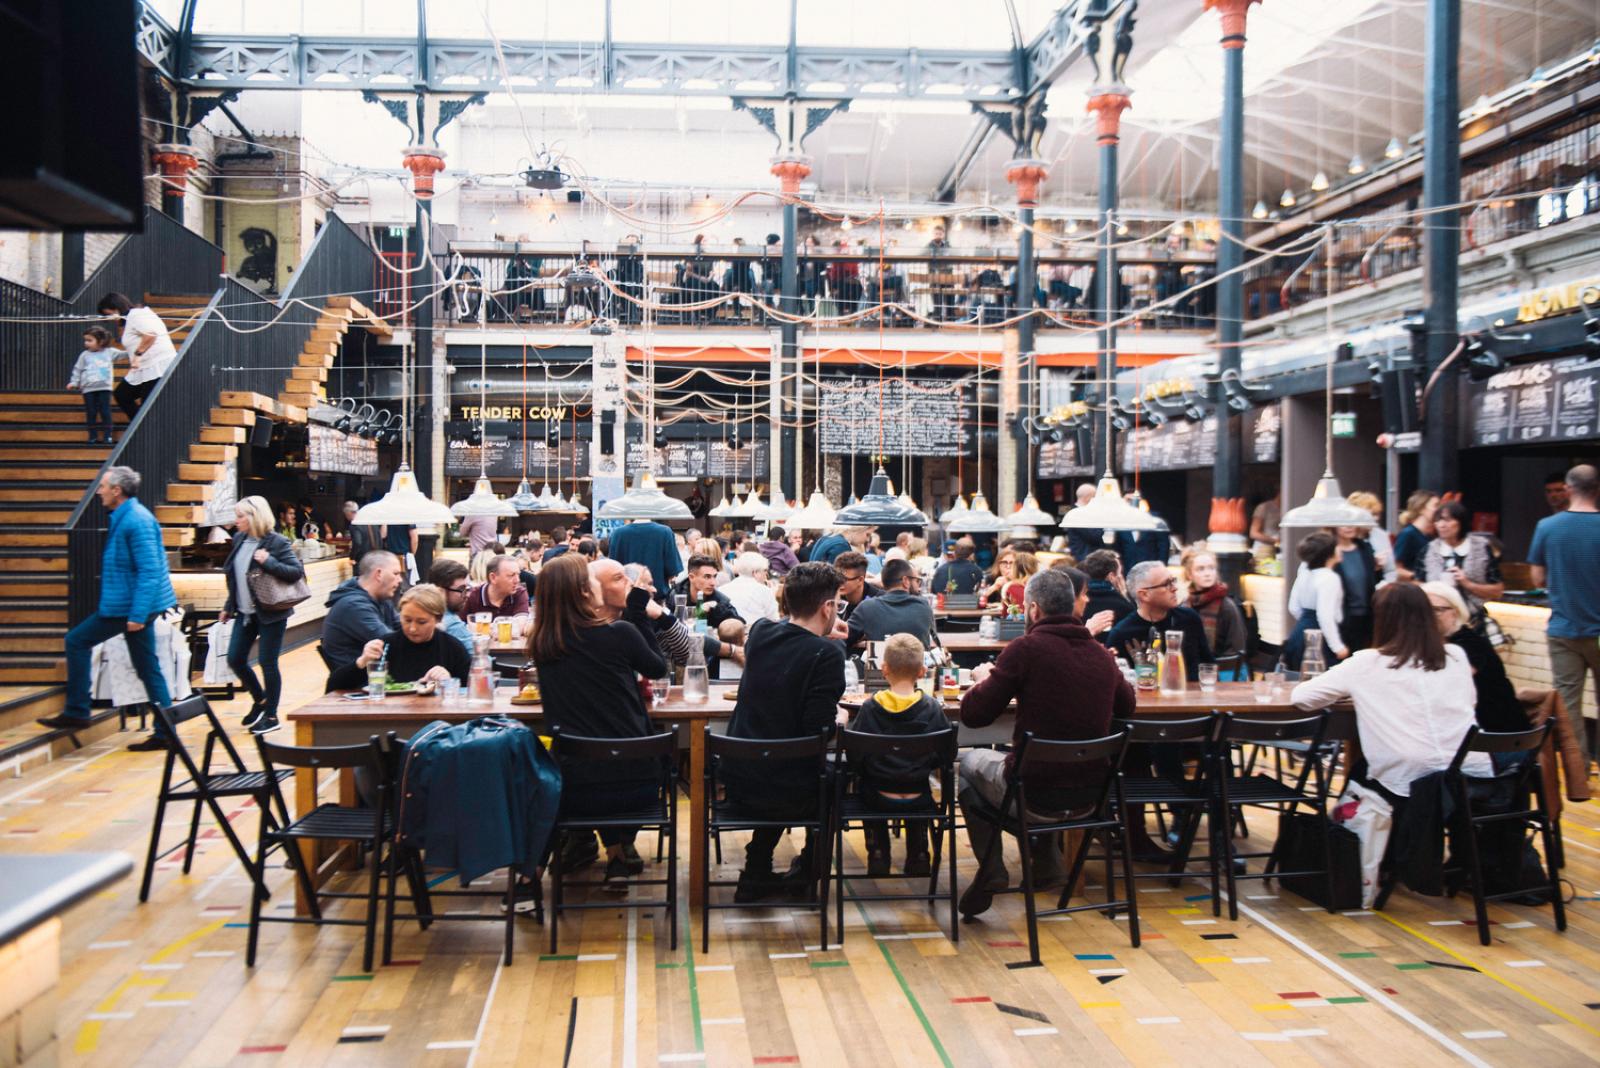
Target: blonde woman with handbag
(261, 564)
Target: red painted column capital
(423, 163)
(1027, 175)
(790, 172)
(175, 161)
(1233, 14)
(1108, 107)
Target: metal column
(789, 334)
(1441, 241)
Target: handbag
(1299, 848)
(274, 594)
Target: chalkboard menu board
(1174, 446)
(1556, 400)
(923, 420)
(700, 459)
(503, 456)
(1264, 434)
(333, 450)
(1060, 459)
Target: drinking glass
(696, 687)
(1144, 672)
(1280, 684)
(1264, 690)
(661, 688)
(450, 692)
(377, 682)
(1208, 677)
(503, 630)
(480, 622)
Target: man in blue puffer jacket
(135, 588)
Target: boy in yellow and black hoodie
(892, 783)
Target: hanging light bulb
(1357, 165)
(906, 225)
(1072, 226)
(1287, 200)
(575, 505)
(1031, 515)
(1319, 182)
(1393, 150)
(847, 224)
(1259, 211)
(721, 509)
(1122, 228)
(523, 500)
(404, 505)
(483, 501)
(978, 519)
(957, 509)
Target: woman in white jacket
(1413, 694)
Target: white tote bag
(1369, 814)
(217, 672)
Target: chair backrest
(576, 749)
(509, 669)
(1309, 729)
(1047, 755)
(1229, 665)
(939, 745)
(367, 755)
(1482, 741)
(1188, 729)
(191, 708)
(721, 746)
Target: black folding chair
(723, 815)
(661, 750)
(369, 828)
(1187, 798)
(1518, 782)
(1039, 760)
(207, 787)
(1230, 665)
(850, 809)
(509, 670)
(1231, 791)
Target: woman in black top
(1497, 707)
(257, 545)
(589, 673)
(1358, 572)
(420, 651)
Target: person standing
(479, 530)
(1469, 562)
(148, 345)
(257, 545)
(651, 545)
(1316, 600)
(1358, 570)
(1081, 541)
(1566, 561)
(135, 588)
(1264, 535)
(363, 539)
(959, 574)
(1416, 528)
(780, 557)
(91, 376)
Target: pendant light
(1357, 164)
(818, 513)
(978, 518)
(721, 510)
(955, 510)
(524, 500)
(1392, 150)
(404, 505)
(483, 500)
(1287, 200)
(1260, 210)
(778, 511)
(1319, 182)
(1327, 506)
(645, 501)
(1031, 515)
(879, 507)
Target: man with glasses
(451, 577)
(852, 566)
(1154, 589)
(901, 609)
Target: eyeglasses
(1170, 584)
(461, 589)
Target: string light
(1319, 182)
(1288, 199)
(1259, 211)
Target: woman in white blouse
(1316, 602)
(148, 345)
(1413, 694)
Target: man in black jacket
(361, 608)
(1155, 589)
(1107, 591)
(958, 575)
(705, 600)
(793, 679)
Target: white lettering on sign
(513, 412)
(1528, 375)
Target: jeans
(247, 630)
(97, 414)
(81, 641)
(983, 789)
(763, 840)
(1572, 661)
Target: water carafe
(1315, 661)
(1174, 676)
(696, 686)
(480, 677)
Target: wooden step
(177, 537)
(179, 514)
(199, 472)
(297, 402)
(309, 374)
(248, 400)
(18, 539)
(58, 469)
(30, 587)
(223, 435)
(12, 616)
(43, 494)
(32, 639)
(26, 451)
(22, 705)
(27, 565)
(293, 413)
(45, 416)
(189, 492)
(17, 670)
(213, 454)
(45, 436)
(34, 517)
(318, 354)
(239, 417)
(52, 398)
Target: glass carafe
(1174, 676)
(480, 678)
(696, 684)
(1315, 661)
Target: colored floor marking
(262, 1049)
(905, 989)
(1100, 1005)
(461, 1044)
(1508, 984)
(439, 879)
(1478, 1035)
(830, 964)
(1159, 1019)
(786, 1059)
(1355, 999)
(1010, 945)
(1218, 937)
(1030, 1032)
(971, 1001)
(630, 995)
(1027, 1014)
(1363, 955)
(109, 945)
(1093, 956)
(770, 956)
(351, 979)
(1524, 964)
(194, 936)
(1183, 912)
(694, 988)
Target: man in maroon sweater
(1066, 685)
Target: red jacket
(1066, 685)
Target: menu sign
(700, 459)
(893, 418)
(1265, 434)
(1060, 459)
(501, 456)
(1174, 446)
(1556, 400)
(333, 450)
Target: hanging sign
(862, 418)
(501, 457)
(1174, 446)
(700, 459)
(333, 450)
(1060, 459)
(1555, 400)
(1264, 431)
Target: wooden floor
(165, 984)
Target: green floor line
(694, 986)
(905, 988)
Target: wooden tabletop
(966, 613)
(971, 643)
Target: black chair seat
(633, 818)
(1162, 790)
(336, 822)
(727, 815)
(854, 808)
(1261, 790)
(248, 782)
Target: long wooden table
(335, 720)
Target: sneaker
(919, 864)
(266, 724)
(250, 717)
(64, 723)
(631, 859)
(153, 744)
(755, 885)
(579, 851)
(877, 864)
(978, 896)
(525, 898)
(616, 877)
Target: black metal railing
(40, 333)
(242, 341)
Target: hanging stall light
(645, 501)
(1357, 165)
(1259, 211)
(880, 508)
(483, 501)
(1319, 182)
(1393, 149)
(955, 510)
(818, 513)
(524, 500)
(404, 505)
(1287, 200)
(978, 519)
(1031, 515)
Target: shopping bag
(1369, 815)
(217, 672)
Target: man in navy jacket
(135, 588)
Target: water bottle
(696, 685)
(480, 678)
(852, 677)
(1174, 675)
(1315, 661)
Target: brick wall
(1528, 660)
(207, 590)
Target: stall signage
(1265, 431)
(1556, 300)
(1344, 424)
(502, 456)
(1060, 459)
(511, 413)
(1574, 203)
(1175, 446)
(894, 417)
(333, 450)
(1556, 400)
(700, 459)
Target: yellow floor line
(1508, 984)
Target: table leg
(305, 800)
(697, 811)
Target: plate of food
(392, 689)
(528, 695)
